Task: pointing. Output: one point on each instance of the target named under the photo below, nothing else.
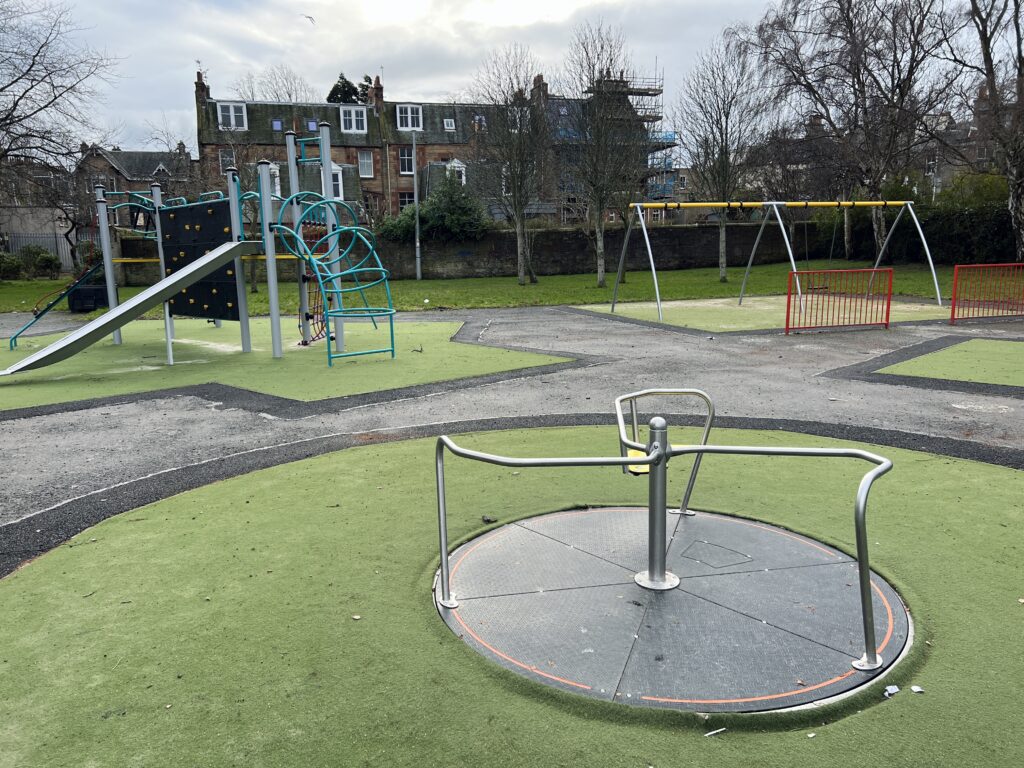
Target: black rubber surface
(762, 618)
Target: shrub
(87, 253)
(10, 266)
(28, 255)
(449, 214)
(46, 265)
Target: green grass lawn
(204, 353)
(409, 295)
(985, 361)
(756, 312)
(216, 627)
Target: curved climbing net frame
(342, 259)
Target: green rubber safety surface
(757, 313)
(204, 353)
(983, 361)
(262, 621)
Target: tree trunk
(599, 249)
(1016, 206)
(521, 251)
(847, 234)
(878, 227)
(723, 276)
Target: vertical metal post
(927, 253)
(650, 258)
(442, 530)
(789, 249)
(656, 577)
(266, 216)
(108, 255)
(168, 322)
(296, 213)
(416, 207)
(332, 223)
(750, 261)
(237, 235)
(871, 658)
(621, 272)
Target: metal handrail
(507, 461)
(658, 455)
(871, 659)
(624, 442)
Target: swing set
(772, 211)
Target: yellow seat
(638, 469)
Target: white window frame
(337, 182)
(354, 115)
(220, 159)
(458, 168)
(410, 111)
(232, 112)
(449, 124)
(411, 198)
(367, 156)
(405, 153)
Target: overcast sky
(425, 51)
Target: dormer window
(312, 125)
(410, 117)
(449, 123)
(457, 168)
(353, 119)
(232, 116)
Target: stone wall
(556, 252)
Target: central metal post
(656, 577)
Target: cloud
(428, 50)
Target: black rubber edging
(26, 539)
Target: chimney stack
(375, 94)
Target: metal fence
(55, 243)
(830, 298)
(987, 290)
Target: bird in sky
(311, 19)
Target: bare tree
(986, 39)
(512, 147)
(869, 69)
(278, 82)
(48, 81)
(720, 120)
(604, 144)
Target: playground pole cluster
(772, 210)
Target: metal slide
(135, 307)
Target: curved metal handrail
(652, 456)
(625, 442)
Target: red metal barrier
(832, 298)
(987, 290)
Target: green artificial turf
(756, 313)
(474, 292)
(218, 628)
(986, 361)
(204, 353)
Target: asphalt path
(66, 467)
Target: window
(682, 182)
(232, 116)
(479, 123)
(449, 123)
(353, 119)
(410, 117)
(337, 183)
(365, 164)
(405, 199)
(312, 125)
(983, 153)
(518, 119)
(227, 160)
(275, 179)
(405, 161)
(277, 124)
(457, 168)
(929, 165)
